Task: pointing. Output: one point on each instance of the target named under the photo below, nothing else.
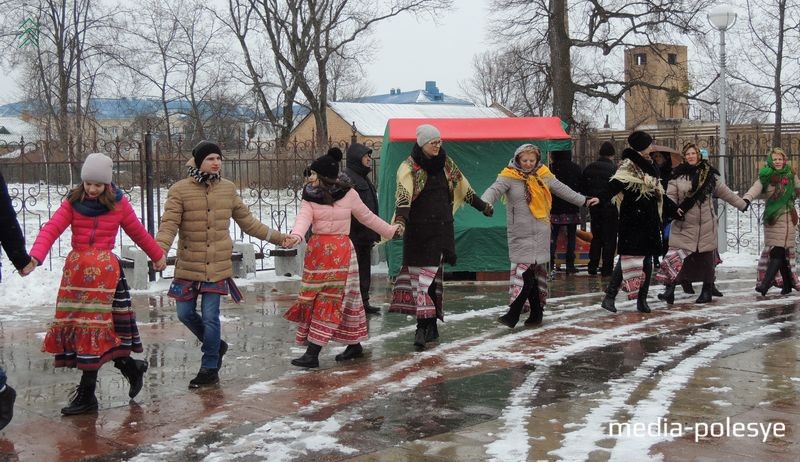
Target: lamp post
(722, 17)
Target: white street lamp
(722, 17)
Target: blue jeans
(205, 327)
(2, 377)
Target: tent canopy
(481, 148)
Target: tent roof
(481, 129)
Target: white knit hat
(427, 133)
(97, 168)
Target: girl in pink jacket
(330, 306)
(94, 321)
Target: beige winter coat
(697, 232)
(782, 233)
(200, 215)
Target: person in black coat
(594, 181)
(358, 166)
(564, 213)
(13, 243)
(637, 192)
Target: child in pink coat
(330, 306)
(94, 321)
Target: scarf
(704, 180)
(93, 207)
(538, 195)
(203, 177)
(413, 174)
(335, 192)
(783, 195)
(640, 176)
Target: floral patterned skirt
(94, 322)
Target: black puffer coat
(358, 174)
(596, 176)
(569, 173)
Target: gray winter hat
(97, 168)
(427, 133)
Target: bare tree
(595, 30)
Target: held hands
(488, 210)
(161, 264)
(290, 241)
(29, 267)
(680, 214)
(401, 229)
(747, 206)
(591, 201)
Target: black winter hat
(328, 165)
(640, 140)
(203, 149)
(607, 149)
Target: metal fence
(269, 176)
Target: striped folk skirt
(632, 274)
(329, 306)
(418, 292)
(763, 260)
(94, 322)
(680, 265)
(515, 287)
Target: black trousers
(571, 236)
(364, 257)
(604, 237)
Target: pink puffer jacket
(98, 232)
(335, 219)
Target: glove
(746, 206)
(488, 210)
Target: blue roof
(430, 94)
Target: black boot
(714, 291)
(668, 295)
(223, 348)
(687, 287)
(310, 358)
(133, 370)
(351, 352)
(511, 318)
(641, 297)
(613, 289)
(83, 400)
(7, 398)
(204, 378)
(773, 265)
(420, 335)
(537, 311)
(788, 280)
(432, 332)
(369, 309)
(705, 293)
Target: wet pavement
(688, 382)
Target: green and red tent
(481, 148)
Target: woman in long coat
(636, 190)
(779, 184)
(529, 187)
(693, 237)
(430, 189)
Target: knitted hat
(97, 168)
(640, 140)
(328, 165)
(427, 133)
(607, 149)
(203, 149)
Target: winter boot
(204, 377)
(7, 398)
(687, 287)
(788, 280)
(613, 289)
(511, 318)
(369, 309)
(668, 295)
(715, 291)
(351, 352)
(223, 348)
(641, 297)
(83, 400)
(773, 265)
(432, 332)
(310, 358)
(537, 311)
(133, 370)
(421, 334)
(705, 293)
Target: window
(640, 59)
(672, 58)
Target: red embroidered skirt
(94, 321)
